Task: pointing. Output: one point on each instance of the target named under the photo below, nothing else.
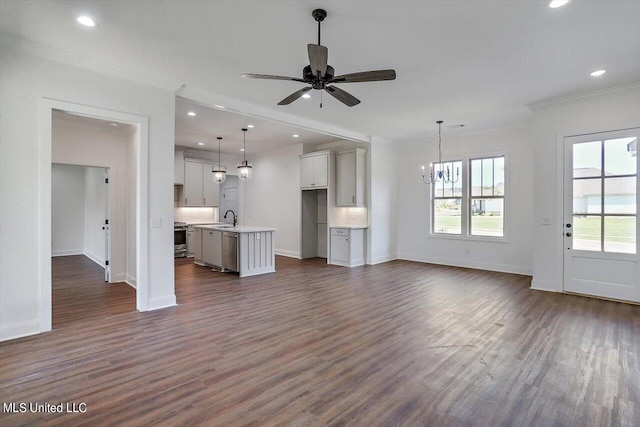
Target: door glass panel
(620, 195)
(620, 234)
(587, 196)
(587, 232)
(487, 217)
(587, 159)
(619, 156)
(447, 216)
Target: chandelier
(440, 174)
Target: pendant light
(219, 171)
(440, 175)
(245, 170)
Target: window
(474, 205)
(447, 200)
(486, 204)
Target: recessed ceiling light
(114, 124)
(598, 73)
(295, 135)
(85, 20)
(242, 149)
(219, 106)
(200, 143)
(191, 113)
(554, 4)
(250, 126)
(306, 96)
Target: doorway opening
(79, 144)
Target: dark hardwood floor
(401, 343)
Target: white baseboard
(93, 257)
(383, 258)
(131, 281)
(502, 268)
(161, 302)
(290, 254)
(67, 252)
(19, 329)
(118, 277)
(545, 285)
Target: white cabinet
(194, 244)
(314, 170)
(199, 187)
(347, 246)
(178, 168)
(351, 178)
(212, 247)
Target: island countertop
(236, 229)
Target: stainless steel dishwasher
(229, 251)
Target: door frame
(45, 127)
(566, 170)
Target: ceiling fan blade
(342, 96)
(295, 95)
(318, 57)
(270, 77)
(365, 76)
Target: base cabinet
(347, 247)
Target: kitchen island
(247, 250)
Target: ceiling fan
(321, 76)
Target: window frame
(433, 198)
(467, 199)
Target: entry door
(601, 227)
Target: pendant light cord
(244, 145)
(219, 141)
(440, 143)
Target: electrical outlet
(546, 220)
(257, 236)
(156, 223)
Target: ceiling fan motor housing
(308, 75)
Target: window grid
(465, 195)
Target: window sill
(468, 238)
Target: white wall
(24, 80)
(91, 146)
(609, 110)
(383, 205)
(95, 212)
(67, 210)
(414, 241)
(272, 198)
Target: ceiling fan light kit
(321, 76)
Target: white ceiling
(91, 124)
(209, 123)
(476, 62)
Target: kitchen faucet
(234, 216)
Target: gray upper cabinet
(199, 187)
(314, 170)
(351, 178)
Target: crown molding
(571, 99)
(88, 63)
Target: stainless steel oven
(179, 239)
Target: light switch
(546, 220)
(156, 223)
(257, 236)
